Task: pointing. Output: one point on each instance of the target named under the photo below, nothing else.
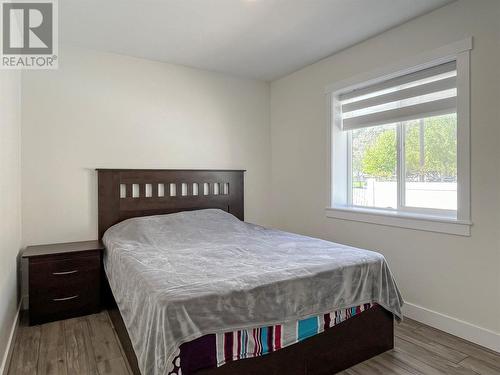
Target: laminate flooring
(89, 346)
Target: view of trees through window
(429, 154)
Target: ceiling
(263, 39)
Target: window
(402, 136)
(396, 155)
(426, 154)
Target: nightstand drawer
(57, 287)
(64, 302)
(52, 273)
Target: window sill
(402, 219)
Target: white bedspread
(178, 277)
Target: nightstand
(64, 280)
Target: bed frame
(127, 193)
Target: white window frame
(338, 166)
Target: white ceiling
(263, 39)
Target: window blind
(425, 93)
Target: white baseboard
(456, 327)
(4, 368)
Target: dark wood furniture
(126, 193)
(64, 280)
(355, 340)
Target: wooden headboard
(127, 193)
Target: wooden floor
(79, 346)
(89, 345)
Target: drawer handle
(65, 298)
(64, 273)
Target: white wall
(10, 202)
(111, 111)
(451, 275)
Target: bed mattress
(205, 275)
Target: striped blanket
(215, 350)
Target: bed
(192, 289)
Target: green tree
(439, 157)
(441, 147)
(380, 157)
